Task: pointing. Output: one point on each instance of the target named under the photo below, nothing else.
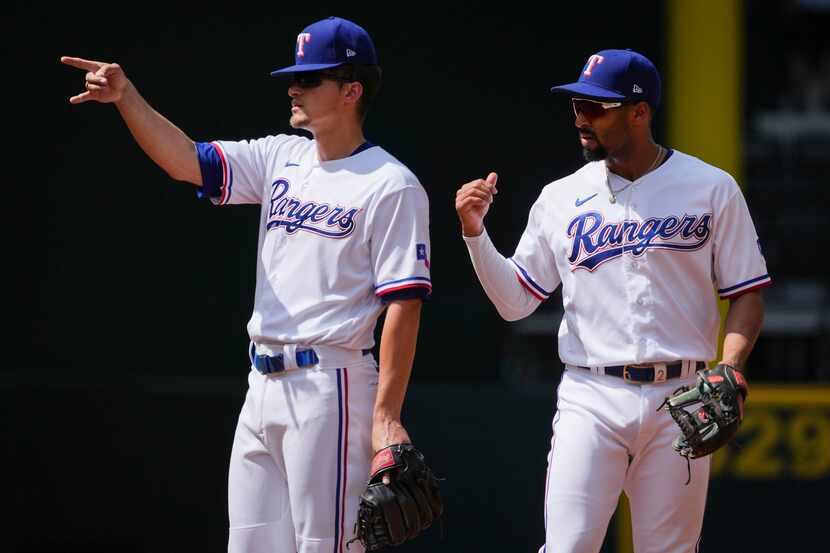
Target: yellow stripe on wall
(787, 396)
(622, 522)
(703, 80)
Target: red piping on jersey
(415, 285)
(740, 293)
(529, 288)
(223, 198)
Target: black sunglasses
(313, 79)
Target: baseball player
(638, 237)
(343, 235)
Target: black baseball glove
(721, 393)
(390, 514)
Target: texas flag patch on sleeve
(421, 252)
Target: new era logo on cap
(329, 43)
(616, 76)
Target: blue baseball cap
(617, 75)
(329, 43)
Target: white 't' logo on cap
(302, 38)
(350, 53)
(592, 61)
(637, 89)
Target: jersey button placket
(630, 260)
(636, 282)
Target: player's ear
(640, 113)
(353, 92)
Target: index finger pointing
(81, 63)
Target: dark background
(126, 351)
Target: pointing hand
(104, 82)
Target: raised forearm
(743, 324)
(167, 145)
(498, 278)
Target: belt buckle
(627, 373)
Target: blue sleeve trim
(530, 280)
(418, 292)
(414, 278)
(210, 164)
(744, 283)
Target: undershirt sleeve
(499, 279)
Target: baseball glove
(390, 514)
(703, 430)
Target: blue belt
(268, 364)
(634, 373)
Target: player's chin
(597, 153)
(299, 121)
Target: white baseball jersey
(337, 238)
(637, 275)
(637, 281)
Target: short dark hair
(367, 75)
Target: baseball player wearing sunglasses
(343, 236)
(639, 238)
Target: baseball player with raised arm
(639, 238)
(343, 235)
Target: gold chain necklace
(613, 198)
